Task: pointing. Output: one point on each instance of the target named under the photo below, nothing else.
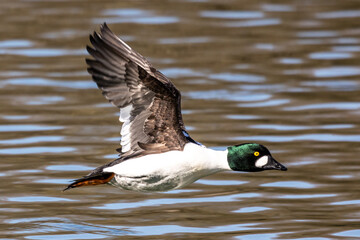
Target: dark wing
(150, 105)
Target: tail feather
(97, 179)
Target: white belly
(154, 183)
(169, 170)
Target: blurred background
(282, 73)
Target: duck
(157, 153)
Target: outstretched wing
(149, 103)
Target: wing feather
(149, 103)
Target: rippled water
(285, 75)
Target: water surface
(286, 75)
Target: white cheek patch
(262, 161)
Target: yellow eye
(256, 154)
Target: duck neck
(217, 160)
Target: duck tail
(100, 178)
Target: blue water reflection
(330, 105)
(348, 202)
(347, 48)
(289, 184)
(132, 15)
(280, 127)
(228, 95)
(340, 71)
(29, 140)
(306, 196)
(220, 182)
(329, 55)
(16, 43)
(27, 128)
(317, 34)
(36, 150)
(349, 233)
(43, 52)
(67, 236)
(339, 14)
(251, 209)
(271, 7)
(49, 83)
(166, 229)
(167, 201)
(36, 199)
(70, 167)
(318, 137)
(335, 85)
(238, 77)
(184, 40)
(232, 14)
(254, 23)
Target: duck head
(252, 157)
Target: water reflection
(329, 55)
(350, 233)
(251, 209)
(237, 77)
(330, 105)
(27, 128)
(134, 16)
(342, 71)
(228, 95)
(290, 184)
(42, 52)
(30, 140)
(232, 14)
(34, 199)
(321, 137)
(163, 201)
(16, 43)
(47, 82)
(254, 23)
(339, 14)
(36, 150)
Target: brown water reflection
(284, 74)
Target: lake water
(286, 75)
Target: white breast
(169, 170)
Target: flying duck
(157, 153)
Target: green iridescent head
(252, 157)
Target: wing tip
(104, 27)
